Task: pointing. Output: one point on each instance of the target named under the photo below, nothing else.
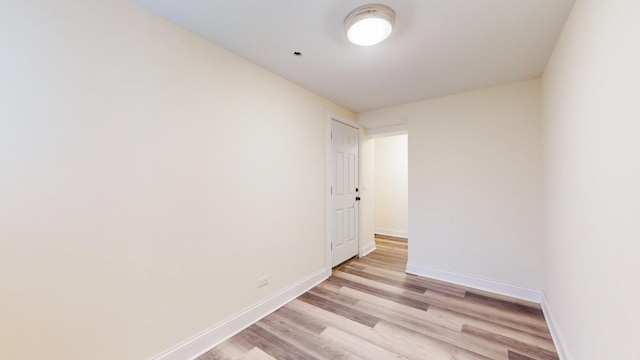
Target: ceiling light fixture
(369, 24)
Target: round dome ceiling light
(369, 24)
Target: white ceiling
(438, 47)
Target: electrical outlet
(263, 281)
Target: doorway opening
(385, 180)
(391, 186)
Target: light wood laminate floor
(371, 309)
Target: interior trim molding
(368, 249)
(558, 341)
(391, 130)
(205, 341)
(392, 232)
(477, 283)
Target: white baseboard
(477, 283)
(561, 347)
(205, 341)
(368, 249)
(392, 232)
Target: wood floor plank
(390, 238)
(307, 323)
(234, 348)
(383, 264)
(371, 309)
(537, 311)
(385, 303)
(357, 345)
(367, 334)
(333, 295)
(411, 279)
(390, 258)
(300, 337)
(455, 339)
(396, 252)
(434, 320)
(256, 354)
(506, 317)
(339, 309)
(386, 280)
(418, 320)
(491, 337)
(456, 321)
(274, 345)
(440, 334)
(385, 294)
(414, 345)
(390, 245)
(215, 354)
(329, 286)
(515, 356)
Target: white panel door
(344, 192)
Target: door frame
(331, 116)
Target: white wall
(475, 183)
(592, 135)
(391, 208)
(147, 178)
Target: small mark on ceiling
(297, 53)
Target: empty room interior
(252, 180)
